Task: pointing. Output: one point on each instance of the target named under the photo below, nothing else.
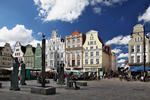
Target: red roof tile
(75, 32)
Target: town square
(75, 49)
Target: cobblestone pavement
(106, 89)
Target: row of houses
(78, 52)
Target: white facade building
(55, 51)
(19, 51)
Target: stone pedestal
(0, 85)
(81, 83)
(43, 90)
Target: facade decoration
(19, 51)
(55, 51)
(74, 51)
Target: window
(132, 48)
(16, 49)
(69, 62)
(91, 53)
(86, 61)
(73, 54)
(138, 48)
(94, 42)
(91, 48)
(73, 46)
(97, 61)
(135, 40)
(68, 40)
(61, 55)
(73, 40)
(58, 63)
(78, 54)
(91, 37)
(91, 42)
(68, 54)
(88, 43)
(132, 59)
(86, 48)
(78, 62)
(141, 38)
(97, 53)
(68, 46)
(91, 61)
(86, 54)
(96, 47)
(57, 55)
(138, 59)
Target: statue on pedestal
(22, 78)
(14, 75)
(61, 76)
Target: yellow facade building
(95, 54)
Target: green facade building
(29, 56)
(38, 57)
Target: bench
(81, 83)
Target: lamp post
(144, 53)
(43, 60)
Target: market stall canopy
(139, 68)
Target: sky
(26, 20)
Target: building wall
(38, 57)
(6, 56)
(18, 52)
(55, 51)
(29, 57)
(135, 43)
(114, 62)
(74, 50)
(92, 45)
(105, 62)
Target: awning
(139, 68)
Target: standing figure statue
(14, 75)
(22, 79)
(61, 76)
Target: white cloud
(39, 33)
(123, 55)
(119, 40)
(34, 43)
(146, 16)
(116, 50)
(64, 10)
(106, 2)
(68, 10)
(121, 61)
(97, 10)
(18, 33)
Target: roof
(100, 40)
(75, 32)
(33, 49)
(1, 48)
(107, 49)
(23, 49)
(62, 40)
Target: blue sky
(25, 20)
